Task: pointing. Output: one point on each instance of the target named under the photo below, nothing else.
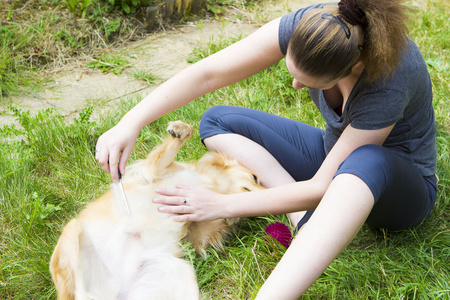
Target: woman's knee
(367, 158)
(211, 115)
(401, 194)
(210, 123)
(372, 164)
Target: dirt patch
(163, 54)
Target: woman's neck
(337, 96)
(346, 84)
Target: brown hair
(329, 41)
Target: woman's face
(302, 80)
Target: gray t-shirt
(404, 99)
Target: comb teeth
(121, 198)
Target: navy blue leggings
(403, 197)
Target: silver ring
(184, 201)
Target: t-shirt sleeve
(378, 110)
(289, 22)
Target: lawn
(48, 173)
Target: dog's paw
(180, 130)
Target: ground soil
(162, 53)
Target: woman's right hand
(114, 148)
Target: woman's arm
(249, 56)
(297, 196)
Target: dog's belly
(132, 257)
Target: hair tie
(351, 13)
(338, 20)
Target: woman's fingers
(102, 157)
(113, 150)
(114, 165)
(185, 203)
(176, 209)
(179, 190)
(176, 201)
(124, 158)
(189, 203)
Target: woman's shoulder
(411, 74)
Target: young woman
(374, 163)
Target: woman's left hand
(191, 203)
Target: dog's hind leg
(161, 158)
(160, 161)
(209, 233)
(66, 264)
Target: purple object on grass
(279, 232)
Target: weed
(212, 47)
(112, 27)
(146, 76)
(108, 63)
(15, 73)
(79, 8)
(127, 6)
(65, 36)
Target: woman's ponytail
(385, 37)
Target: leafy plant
(219, 7)
(41, 211)
(128, 6)
(79, 7)
(66, 37)
(217, 10)
(111, 27)
(108, 63)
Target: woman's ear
(359, 64)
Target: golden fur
(104, 254)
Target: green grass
(16, 75)
(48, 173)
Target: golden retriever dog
(107, 254)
